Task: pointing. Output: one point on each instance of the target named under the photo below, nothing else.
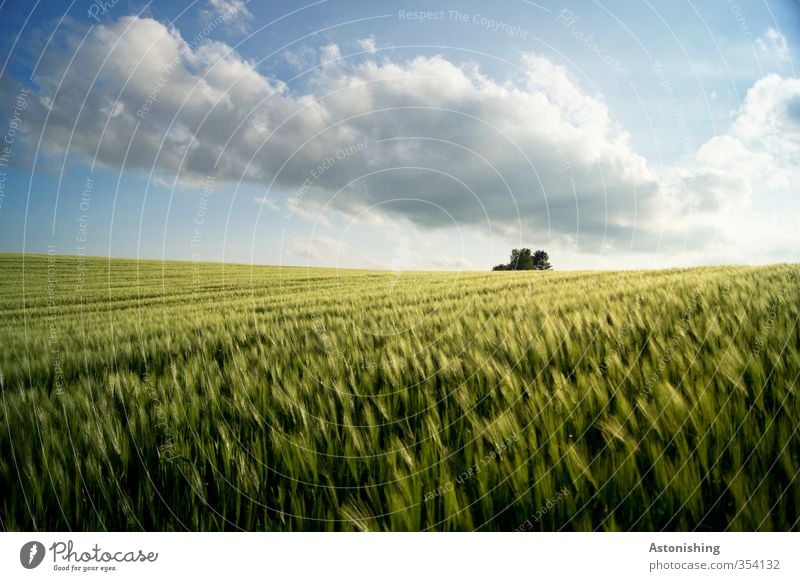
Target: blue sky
(402, 135)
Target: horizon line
(365, 269)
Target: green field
(169, 396)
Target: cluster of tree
(524, 259)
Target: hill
(164, 396)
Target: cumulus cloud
(331, 251)
(763, 144)
(233, 13)
(706, 190)
(772, 44)
(737, 176)
(368, 45)
(428, 140)
(301, 58)
(266, 202)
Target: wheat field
(186, 396)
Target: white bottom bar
(400, 556)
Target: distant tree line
(524, 259)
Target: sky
(422, 135)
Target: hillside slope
(176, 395)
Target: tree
(523, 259)
(541, 261)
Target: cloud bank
(426, 139)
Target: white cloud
(429, 140)
(763, 144)
(446, 262)
(741, 173)
(707, 190)
(234, 13)
(301, 58)
(772, 45)
(368, 45)
(324, 250)
(267, 202)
